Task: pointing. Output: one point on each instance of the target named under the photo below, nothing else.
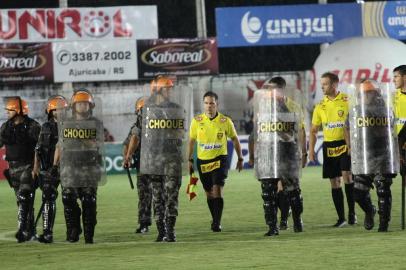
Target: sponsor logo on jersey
(333, 125)
(211, 146)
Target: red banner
(26, 62)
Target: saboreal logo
(252, 28)
(14, 62)
(176, 56)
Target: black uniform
(288, 163)
(378, 157)
(48, 183)
(20, 141)
(80, 177)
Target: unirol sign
(26, 62)
(177, 57)
(355, 59)
(41, 25)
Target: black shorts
(212, 171)
(335, 159)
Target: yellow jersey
(332, 115)
(400, 109)
(211, 135)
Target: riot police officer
(373, 151)
(20, 134)
(80, 154)
(278, 144)
(161, 151)
(44, 158)
(132, 152)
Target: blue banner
(294, 24)
(385, 19)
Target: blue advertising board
(293, 24)
(385, 19)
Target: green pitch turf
(241, 245)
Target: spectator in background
(107, 136)
(249, 125)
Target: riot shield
(374, 146)
(277, 123)
(165, 123)
(81, 144)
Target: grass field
(241, 245)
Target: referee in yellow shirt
(331, 113)
(399, 79)
(210, 130)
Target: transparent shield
(166, 118)
(374, 146)
(277, 124)
(81, 144)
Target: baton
(129, 177)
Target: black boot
(296, 203)
(31, 229)
(72, 219)
(89, 217)
(384, 201)
(160, 225)
(270, 207)
(143, 228)
(48, 217)
(363, 198)
(385, 206)
(170, 229)
(23, 201)
(283, 204)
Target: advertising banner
(385, 19)
(276, 25)
(26, 63)
(75, 24)
(95, 61)
(177, 57)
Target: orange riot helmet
(160, 83)
(82, 95)
(55, 102)
(139, 104)
(15, 104)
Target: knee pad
(68, 198)
(269, 189)
(49, 194)
(88, 200)
(383, 186)
(362, 182)
(24, 196)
